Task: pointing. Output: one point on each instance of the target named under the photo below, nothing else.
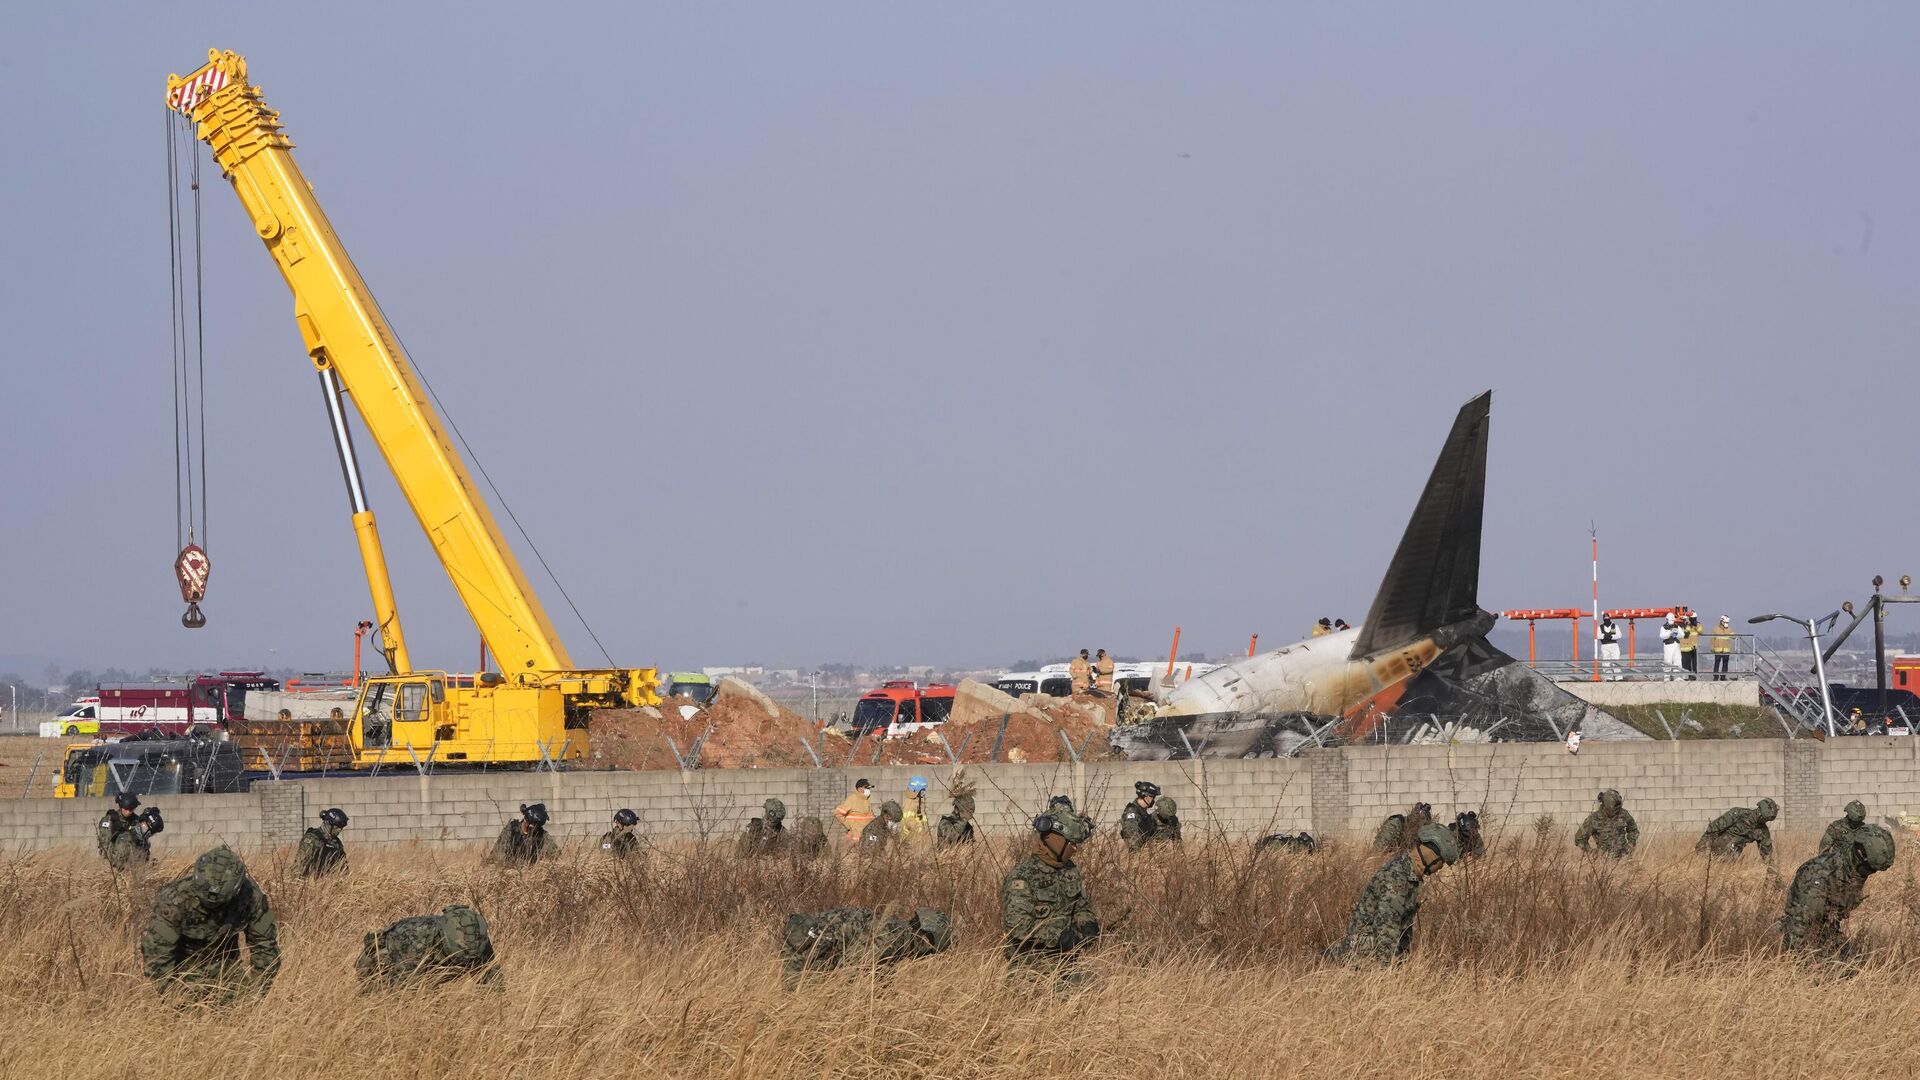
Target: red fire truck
(198, 702)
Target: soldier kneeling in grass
(429, 949)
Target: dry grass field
(1529, 962)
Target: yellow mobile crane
(537, 706)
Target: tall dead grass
(1530, 962)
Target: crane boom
(345, 332)
(538, 707)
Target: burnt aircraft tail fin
(1434, 578)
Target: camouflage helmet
(1442, 840)
(963, 802)
(625, 816)
(1610, 799)
(1874, 847)
(534, 814)
(797, 932)
(1071, 827)
(890, 810)
(1146, 788)
(217, 876)
(1767, 809)
(774, 809)
(334, 816)
(1165, 807)
(463, 933)
(1060, 802)
(127, 800)
(1856, 813)
(934, 925)
(808, 827)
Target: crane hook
(191, 567)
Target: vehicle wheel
(71, 730)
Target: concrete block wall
(1669, 786)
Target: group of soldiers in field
(192, 940)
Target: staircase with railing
(1790, 691)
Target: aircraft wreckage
(1420, 667)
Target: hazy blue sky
(961, 333)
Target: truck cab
(692, 685)
(902, 707)
(412, 718)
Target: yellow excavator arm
(356, 354)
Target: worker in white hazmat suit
(1670, 635)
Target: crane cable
(189, 375)
(491, 486)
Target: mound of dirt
(740, 729)
(988, 725)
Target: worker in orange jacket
(1103, 673)
(1081, 672)
(856, 809)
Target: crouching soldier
(1843, 827)
(1380, 929)
(957, 827)
(883, 831)
(123, 834)
(191, 945)
(524, 840)
(1043, 902)
(1302, 843)
(619, 841)
(1729, 834)
(321, 851)
(809, 838)
(1610, 830)
(766, 834)
(1828, 887)
(825, 940)
(428, 950)
(1166, 817)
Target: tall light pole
(1819, 665)
(15, 707)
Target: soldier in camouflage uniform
(957, 827)
(1380, 930)
(524, 840)
(1396, 831)
(1828, 887)
(1043, 903)
(825, 940)
(1842, 830)
(1466, 832)
(1730, 833)
(1137, 823)
(1063, 804)
(764, 835)
(122, 835)
(429, 949)
(809, 838)
(880, 834)
(321, 851)
(1303, 843)
(1166, 818)
(191, 945)
(619, 841)
(1610, 830)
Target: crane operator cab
(402, 712)
(413, 718)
